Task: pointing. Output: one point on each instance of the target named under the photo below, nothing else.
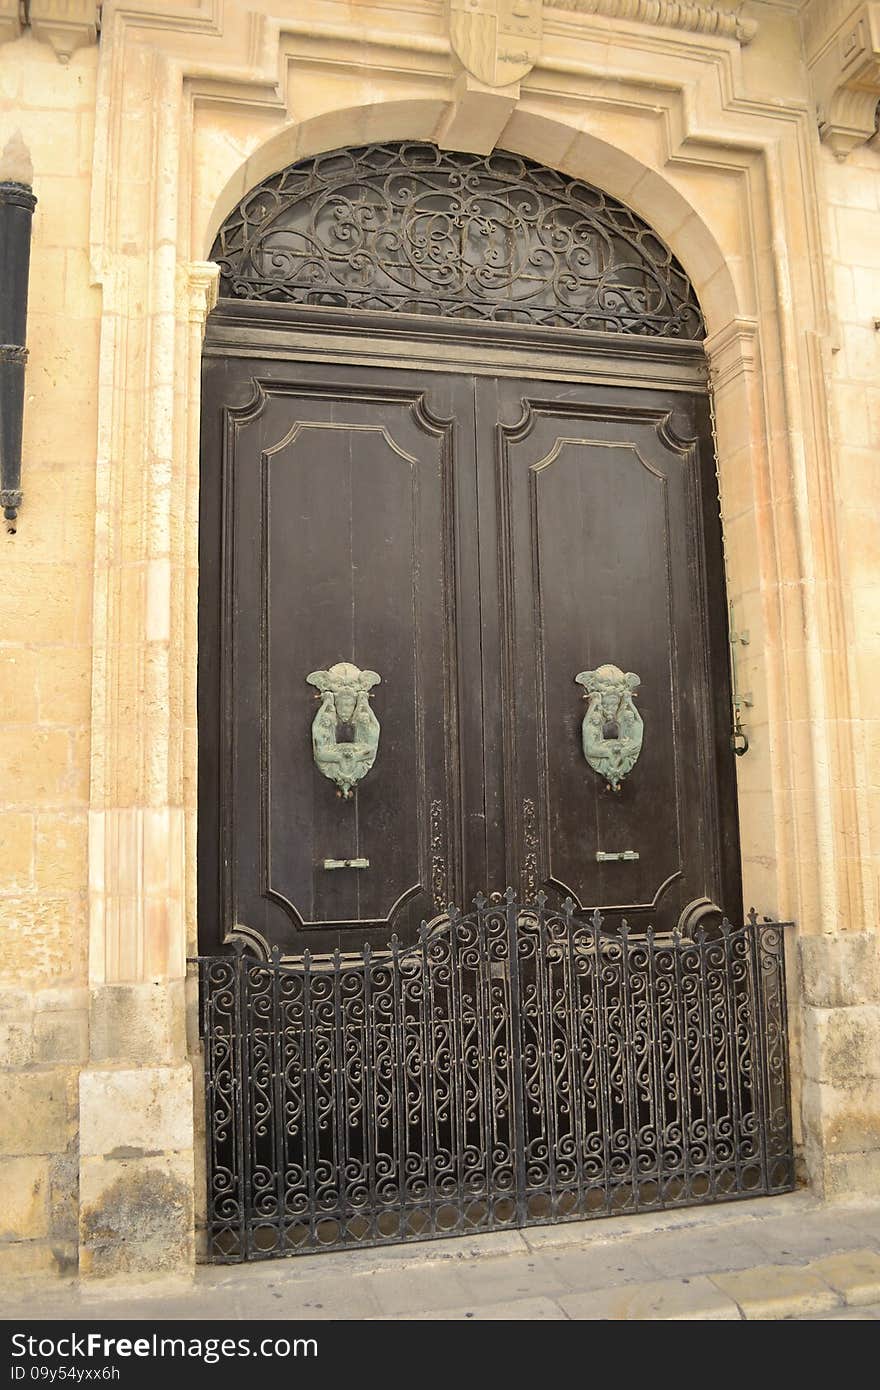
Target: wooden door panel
(600, 561)
(339, 548)
(478, 542)
(603, 593)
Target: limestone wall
(141, 144)
(842, 974)
(45, 673)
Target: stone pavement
(771, 1258)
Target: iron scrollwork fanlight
(612, 729)
(414, 229)
(345, 692)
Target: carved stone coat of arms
(498, 41)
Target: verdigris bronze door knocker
(344, 710)
(612, 730)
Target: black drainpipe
(17, 203)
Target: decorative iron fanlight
(419, 230)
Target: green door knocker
(612, 730)
(344, 709)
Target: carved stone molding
(844, 62)
(674, 14)
(65, 25)
(203, 283)
(732, 351)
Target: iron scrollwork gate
(515, 1066)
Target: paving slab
(864, 1221)
(400, 1292)
(848, 1314)
(777, 1291)
(599, 1267)
(701, 1252)
(673, 1300)
(503, 1279)
(516, 1310)
(854, 1273)
(346, 1300)
(792, 1240)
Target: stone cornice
(673, 14)
(843, 55)
(65, 25)
(71, 24)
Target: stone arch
(573, 152)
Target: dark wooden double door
(477, 541)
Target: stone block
(24, 1198)
(50, 602)
(21, 1258)
(136, 1215)
(126, 1112)
(16, 849)
(843, 1118)
(61, 1035)
(18, 666)
(67, 998)
(62, 852)
(777, 1291)
(65, 682)
(44, 937)
(16, 1041)
(844, 1176)
(35, 1110)
(858, 233)
(64, 1196)
(673, 1300)
(853, 1273)
(35, 765)
(841, 1044)
(62, 215)
(841, 970)
(139, 1023)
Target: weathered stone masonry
(745, 135)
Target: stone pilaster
(137, 1162)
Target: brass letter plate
(346, 863)
(604, 858)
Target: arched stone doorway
(458, 477)
(490, 377)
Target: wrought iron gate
(516, 1066)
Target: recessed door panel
(603, 595)
(338, 549)
(600, 564)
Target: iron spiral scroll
(410, 228)
(515, 1066)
